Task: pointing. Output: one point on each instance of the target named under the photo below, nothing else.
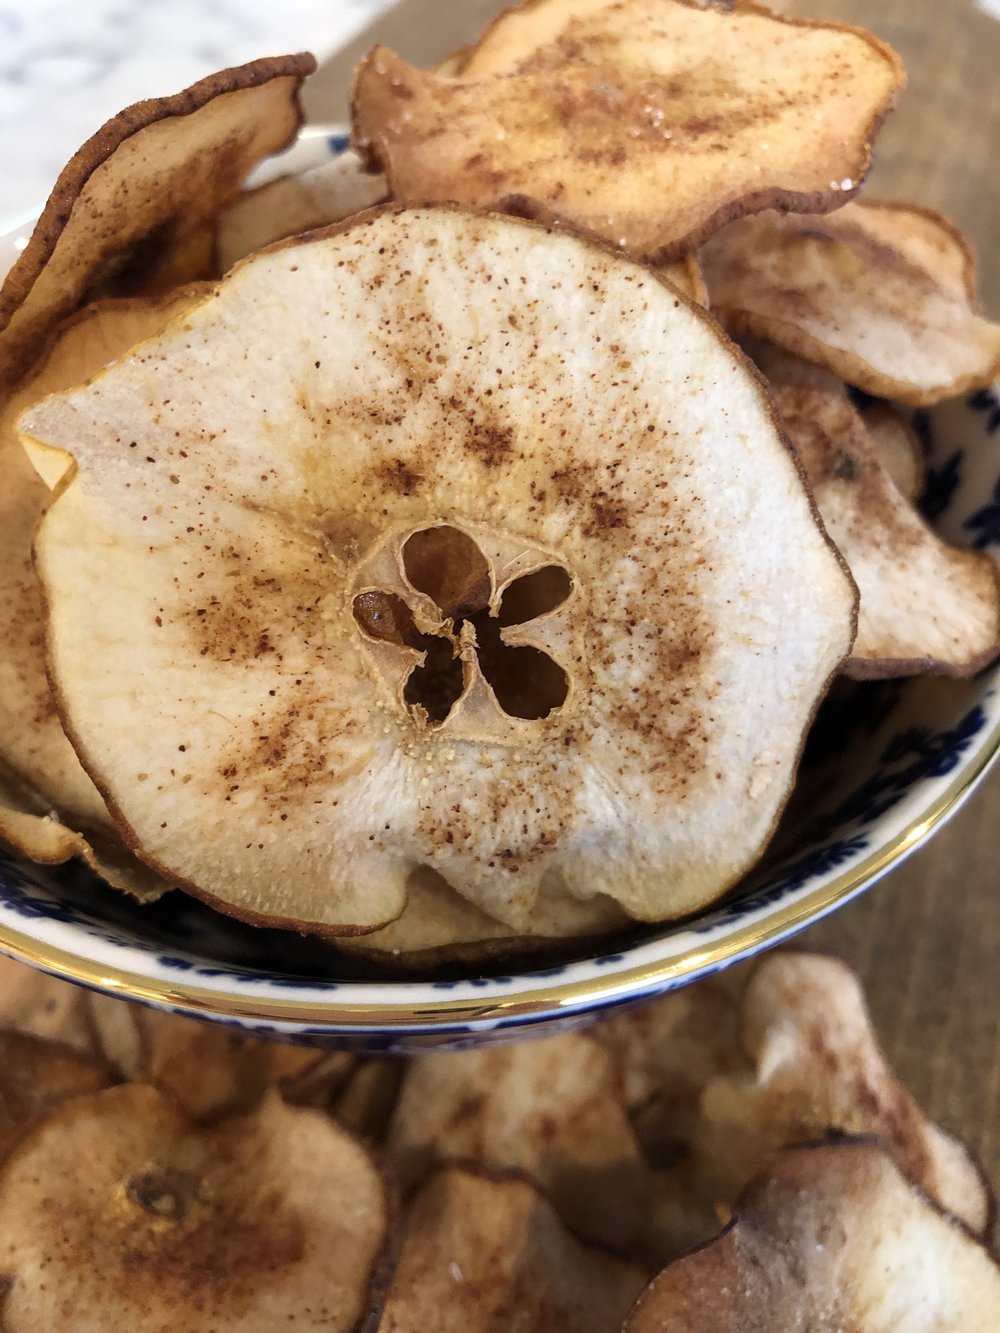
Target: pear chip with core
(439, 539)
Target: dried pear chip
(897, 447)
(118, 1208)
(295, 204)
(416, 565)
(438, 925)
(552, 1109)
(206, 1068)
(37, 1075)
(830, 1237)
(647, 122)
(490, 1254)
(140, 192)
(926, 607)
(817, 1065)
(368, 1097)
(39, 1005)
(881, 295)
(32, 741)
(715, 1084)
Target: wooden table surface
(926, 939)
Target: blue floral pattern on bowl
(886, 762)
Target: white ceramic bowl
(886, 765)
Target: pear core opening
(446, 565)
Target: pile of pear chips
(405, 552)
(737, 1155)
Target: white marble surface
(66, 66)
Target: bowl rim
(537, 999)
(401, 1005)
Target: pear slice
(37, 1075)
(647, 122)
(716, 1080)
(119, 1209)
(926, 607)
(881, 295)
(490, 1254)
(50, 810)
(551, 1109)
(291, 205)
(439, 926)
(137, 197)
(817, 1065)
(205, 1068)
(34, 1003)
(829, 1237)
(897, 447)
(434, 564)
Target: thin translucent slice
(926, 607)
(897, 447)
(552, 1109)
(343, 392)
(294, 204)
(33, 744)
(139, 193)
(817, 1065)
(490, 1254)
(37, 1075)
(648, 122)
(830, 1237)
(119, 1209)
(881, 295)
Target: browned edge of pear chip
(98, 149)
(486, 1250)
(765, 1269)
(382, 63)
(364, 219)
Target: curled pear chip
(291, 205)
(37, 1075)
(717, 1081)
(881, 295)
(647, 122)
(550, 1109)
(829, 1237)
(139, 194)
(926, 606)
(817, 1066)
(118, 1208)
(490, 1254)
(54, 787)
(897, 448)
(422, 541)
